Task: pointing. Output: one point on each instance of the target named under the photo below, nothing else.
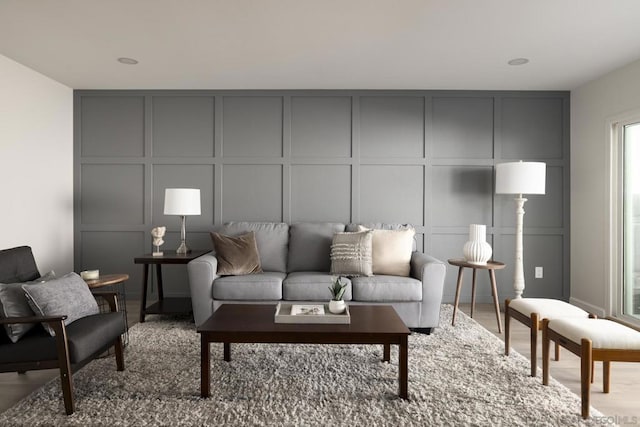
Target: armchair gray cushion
(13, 303)
(17, 265)
(85, 336)
(67, 296)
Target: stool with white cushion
(607, 340)
(530, 312)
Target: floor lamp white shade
(182, 202)
(520, 178)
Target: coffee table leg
(205, 368)
(403, 368)
(386, 357)
(227, 352)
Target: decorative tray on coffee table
(309, 313)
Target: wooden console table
(164, 305)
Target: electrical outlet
(539, 273)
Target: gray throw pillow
(13, 303)
(351, 254)
(236, 255)
(68, 295)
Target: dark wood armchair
(73, 346)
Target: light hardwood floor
(621, 403)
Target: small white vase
(337, 307)
(477, 251)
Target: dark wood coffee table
(254, 323)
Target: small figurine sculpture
(158, 234)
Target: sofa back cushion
(272, 239)
(310, 245)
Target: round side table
(491, 267)
(116, 281)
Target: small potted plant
(337, 304)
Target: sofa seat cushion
(311, 286)
(85, 336)
(272, 240)
(310, 245)
(386, 288)
(265, 286)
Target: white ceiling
(321, 44)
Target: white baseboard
(598, 311)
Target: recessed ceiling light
(518, 61)
(128, 61)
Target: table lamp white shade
(521, 178)
(182, 201)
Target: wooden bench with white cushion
(530, 312)
(607, 340)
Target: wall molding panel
(417, 156)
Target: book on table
(307, 310)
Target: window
(630, 194)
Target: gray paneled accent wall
(420, 157)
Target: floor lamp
(182, 202)
(520, 178)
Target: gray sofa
(296, 263)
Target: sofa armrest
(431, 272)
(202, 272)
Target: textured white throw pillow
(351, 254)
(391, 251)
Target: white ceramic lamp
(182, 202)
(520, 178)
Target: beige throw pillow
(236, 255)
(351, 254)
(391, 251)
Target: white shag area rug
(457, 376)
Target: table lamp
(182, 202)
(520, 178)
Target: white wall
(591, 106)
(36, 165)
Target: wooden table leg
(227, 352)
(586, 377)
(455, 306)
(494, 291)
(160, 289)
(386, 357)
(403, 365)
(143, 297)
(205, 368)
(473, 291)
